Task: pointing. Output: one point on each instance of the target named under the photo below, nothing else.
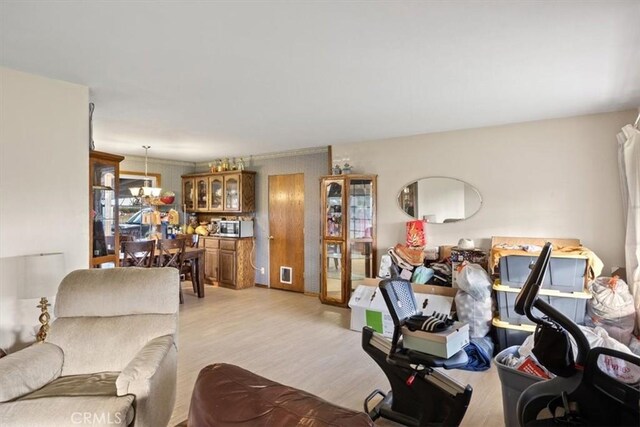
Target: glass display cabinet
(202, 193)
(226, 192)
(232, 193)
(348, 235)
(215, 193)
(188, 196)
(104, 177)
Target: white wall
(551, 178)
(44, 169)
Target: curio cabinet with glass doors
(104, 177)
(348, 216)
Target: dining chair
(191, 241)
(137, 254)
(171, 254)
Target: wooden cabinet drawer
(210, 243)
(229, 245)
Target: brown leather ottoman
(227, 395)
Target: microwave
(235, 228)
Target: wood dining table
(196, 256)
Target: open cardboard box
(369, 309)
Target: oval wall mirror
(439, 200)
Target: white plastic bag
(634, 346)
(475, 281)
(598, 337)
(477, 313)
(612, 366)
(611, 308)
(611, 298)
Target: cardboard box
(368, 307)
(443, 344)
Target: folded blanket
(414, 257)
(399, 261)
(479, 352)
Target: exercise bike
(581, 393)
(420, 395)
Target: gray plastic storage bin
(508, 334)
(573, 305)
(563, 274)
(513, 383)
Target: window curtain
(629, 164)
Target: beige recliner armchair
(110, 357)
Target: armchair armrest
(143, 366)
(29, 369)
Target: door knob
(270, 237)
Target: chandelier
(146, 189)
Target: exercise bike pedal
(374, 413)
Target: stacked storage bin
(563, 288)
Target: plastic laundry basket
(513, 383)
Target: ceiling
(199, 80)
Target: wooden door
(286, 232)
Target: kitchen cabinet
(201, 185)
(228, 267)
(188, 194)
(348, 212)
(211, 257)
(104, 180)
(225, 192)
(216, 188)
(228, 261)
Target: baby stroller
(420, 395)
(581, 393)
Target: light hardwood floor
(295, 340)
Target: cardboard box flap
(362, 296)
(539, 241)
(418, 289)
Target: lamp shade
(145, 191)
(39, 275)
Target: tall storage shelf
(348, 235)
(227, 192)
(104, 178)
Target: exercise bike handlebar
(528, 298)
